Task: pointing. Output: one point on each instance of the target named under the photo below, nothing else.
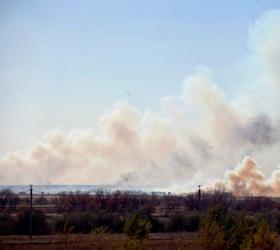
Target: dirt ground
(164, 241)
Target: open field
(160, 241)
(96, 241)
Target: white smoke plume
(194, 139)
(248, 179)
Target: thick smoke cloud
(194, 139)
(248, 179)
(258, 131)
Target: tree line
(218, 217)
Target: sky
(64, 62)
(65, 65)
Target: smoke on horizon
(195, 139)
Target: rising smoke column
(194, 139)
(248, 179)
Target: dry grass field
(164, 241)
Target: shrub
(192, 223)
(75, 222)
(211, 235)
(181, 222)
(145, 212)
(7, 224)
(39, 222)
(221, 231)
(273, 220)
(136, 227)
(262, 239)
(86, 222)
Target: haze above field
(155, 93)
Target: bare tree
(8, 200)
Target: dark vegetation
(221, 220)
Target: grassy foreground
(97, 241)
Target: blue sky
(63, 63)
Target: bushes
(212, 233)
(8, 200)
(78, 222)
(20, 224)
(224, 231)
(221, 230)
(86, 222)
(137, 227)
(39, 222)
(7, 224)
(146, 212)
(182, 222)
(262, 239)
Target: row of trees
(123, 202)
(87, 222)
(137, 215)
(219, 229)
